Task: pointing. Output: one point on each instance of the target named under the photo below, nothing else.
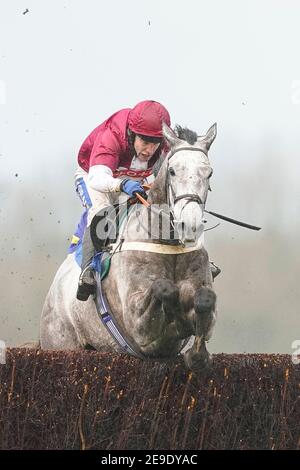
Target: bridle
(189, 197)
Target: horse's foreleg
(205, 309)
(156, 313)
(205, 305)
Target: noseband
(189, 197)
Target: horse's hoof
(197, 361)
(205, 300)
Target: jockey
(113, 160)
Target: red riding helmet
(146, 118)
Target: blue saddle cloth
(78, 234)
(101, 261)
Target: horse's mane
(182, 133)
(186, 134)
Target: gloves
(131, 187)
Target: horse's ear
(170, 135)
(209, 137)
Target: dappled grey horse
(161, 294)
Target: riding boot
(215, 270)
(87, 282)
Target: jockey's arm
(101, 179)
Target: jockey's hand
(132, 187)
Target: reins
(194, 197)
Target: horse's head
(184, 180)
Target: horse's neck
(136, 227)
(158, 191)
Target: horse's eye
(172, 171)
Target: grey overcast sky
(65, 66)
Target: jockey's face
(144, 150)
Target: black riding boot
(87, 282)
(215, 270)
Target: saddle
(109, 221)
(113, 216)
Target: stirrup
(85, 289)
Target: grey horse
(161, 295)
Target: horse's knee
(205, 300)
(165, 290)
